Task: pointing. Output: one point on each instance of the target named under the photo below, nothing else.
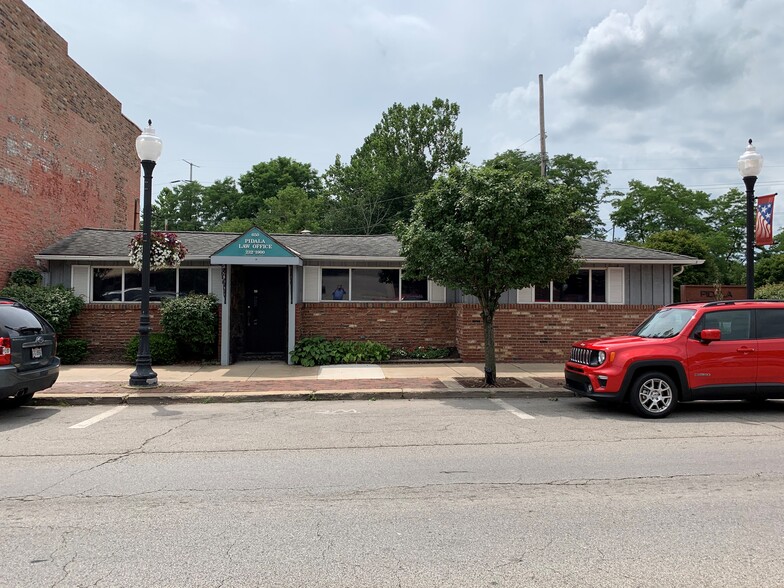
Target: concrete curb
(152, 398)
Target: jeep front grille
(581, 355)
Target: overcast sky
(647, 88)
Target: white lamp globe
(750, 163)
(148, 144)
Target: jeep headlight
(597, 358)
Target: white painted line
(99, 417)
(509, 408)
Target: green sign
(254, 244)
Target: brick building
(277, 289)
(67, 157)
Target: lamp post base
(143, 378)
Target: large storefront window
(125, 284)
(370, 285)
(584, 286)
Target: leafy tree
(686, 243)
(667, 206)
(266, 179)
(726, 236)
(581, 179)
(218, 202)
(485, 230)
(179, 208)
(290, 211)
(400, 159)
(235, 225)
(769, 270)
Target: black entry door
(266, 300)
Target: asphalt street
(412, 493)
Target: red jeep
(724, 350)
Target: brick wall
(109, 327)
(67, 155)
(523, 332)
(534, 333)
(393, 324)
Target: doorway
(266, 313)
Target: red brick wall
(537, 333)
(67, 155)
(109, 327)
(393, 324)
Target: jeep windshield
(667, 322)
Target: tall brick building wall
(67, 156)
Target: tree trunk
(487, 323)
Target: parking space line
(509, 408)
(99, 417)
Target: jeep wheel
(653, 395)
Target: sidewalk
(269, 380)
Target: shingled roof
(112, 245)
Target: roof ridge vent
(304, 232)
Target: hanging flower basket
(166, 250)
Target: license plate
(37, 354)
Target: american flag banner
(763, 234)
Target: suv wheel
(653, 395)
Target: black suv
(27, 352)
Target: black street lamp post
(148, 148)
(749, 166)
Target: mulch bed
(499, 383)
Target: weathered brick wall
(393, 324)
(533, 332)
(67, 155)
(109, 327)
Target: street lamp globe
(148, 144)
(750, 162)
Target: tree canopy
(401, 158)
(485, 230)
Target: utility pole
(190, 175)
(542, 135)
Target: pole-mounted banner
(763, 229)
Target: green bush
(311, 351)
(163, 349)
(25, 276)
(56, 304)
(422, 353)
(775, 291)
(72, 351)
(192, 321)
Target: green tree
(769, 270)
(290, 211)
(686, 243)
(400, 159)
(266, 179)
(667, 206)
(485, 230)
(726, 236)
(582, 180)
(218, 202)
(178, 208)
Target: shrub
(192, 321)
(25, 276)
(311, 351)
(72, 351)
(56, 304)
(422, 353)
(163, 349)
(775, 291)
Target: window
(370, 285)
(735, 325)
(119, 284)
(770, 323)
(587, 285)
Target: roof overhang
(645, 261)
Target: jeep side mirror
(708, 335)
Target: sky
(646, 88)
